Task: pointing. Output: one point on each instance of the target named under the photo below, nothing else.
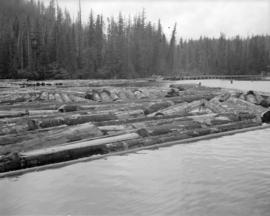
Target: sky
(194, 18)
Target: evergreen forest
(44, 42)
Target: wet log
(10, 162)
(72, 151)
(181, 135)
(13, 114)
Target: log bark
(72, 151)
(180, 108)
(13, 114)
(157, 106)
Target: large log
(216, 106)
(180, 108)
(24, 136)
(180, 135)
(13, 114)
(157, 106)
(192, 97)
(238, 105)
(71, 151)
(57, 136)
(14, 128)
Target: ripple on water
(225, 176)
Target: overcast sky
(193, 17)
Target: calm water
(225, 176)
(241, 85)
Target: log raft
(53, 125)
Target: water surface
(225, 176)
(263, 86)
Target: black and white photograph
(134, 107)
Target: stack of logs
(116, 119)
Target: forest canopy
(43, 42)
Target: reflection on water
(225, 176)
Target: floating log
(68, 108)
(157, 106)
(216, 106)
(180, 108)
(105, 95)
(14, 128)
(17, 138)
(192, 97)
(71, 151)
(13, 114)
(238, 105)
(66, 98)
(173, 92)
(65, 135)
(58, 98)
(224, 97)
(10, 162)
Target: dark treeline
(39, 42)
